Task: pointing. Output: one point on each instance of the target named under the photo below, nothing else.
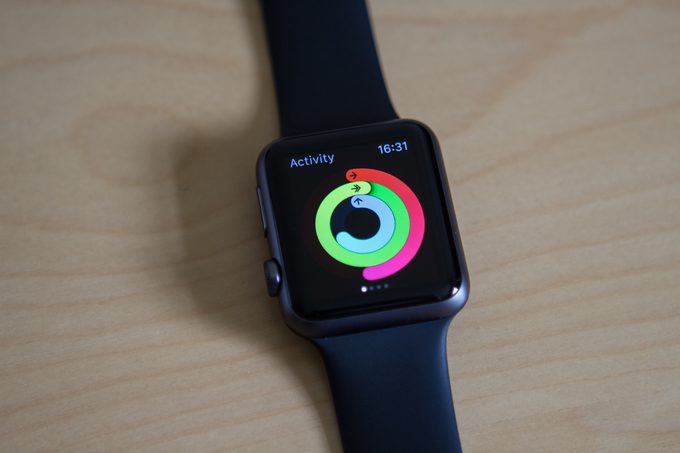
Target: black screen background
(321, 287)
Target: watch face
(361, 220)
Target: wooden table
(133, 311)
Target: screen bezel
(389, 316)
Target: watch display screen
(362, 220)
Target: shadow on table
(223, 242)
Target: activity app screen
(361, 219)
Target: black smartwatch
(366, 257)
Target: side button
(272, 275)
(262, 218)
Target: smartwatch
(366, 261)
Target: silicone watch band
(391, 389)
(390, 386)
(325, 65)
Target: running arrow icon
(356, 188)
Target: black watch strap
(325, 65)
(391, 389)
(390, 386)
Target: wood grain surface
(133, 312)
